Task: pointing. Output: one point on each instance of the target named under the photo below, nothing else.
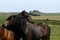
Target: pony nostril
(5, 24)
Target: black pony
(14, 23)
(41, 26)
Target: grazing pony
(6, 34)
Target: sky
(30, 5)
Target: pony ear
(23, 11)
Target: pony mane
(11, 16)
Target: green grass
(55, 32)
(3, 17)
(52, 22)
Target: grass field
(3, 17)
(43, 17)
(55, 32)
(53, 21)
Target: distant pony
(6, 34)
